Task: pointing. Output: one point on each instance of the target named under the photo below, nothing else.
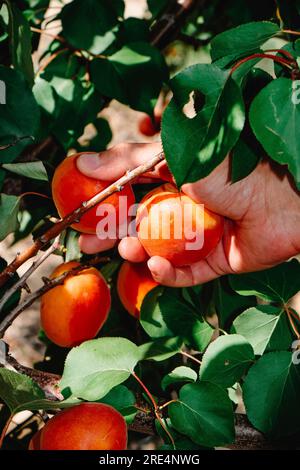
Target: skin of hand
(262, 216)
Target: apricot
(35, 442)
(70, 188)
(148, 127)
(133, 284)
(88, 426)
(172, 225)
(76, 310)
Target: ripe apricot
(70, 188)
(75, 311)
(172, 225)
(35, 442)
(148, 127)
(134, 283)
(88, 426)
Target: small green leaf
(18, 390)
(265, 327)
(91, 25)
(95, 367)
(277, 284)
(228, 303)
(123, 400)
(271, 394)
(119, 75)
(20, 42)
(9, 208)
(19, 115)
(34, 170)
(200, 143)
(243, 161)
(72, 247)
(275, 120)
(226, 360)
(178, 375)
(161, 349)
(204, 413)
(243, 40)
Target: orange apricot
(172, 225)
(70, 188)
(88, 426)
(133, 284)
(76, 310)
(35, 442)
(148, 127)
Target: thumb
(112, 164)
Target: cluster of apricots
(76, 310)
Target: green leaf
(72, 246)
(68, 104)
(151, 315)
(243, 40)
(243, 161)
(123, 400)
(19, 116)
(265, 327)
(119, 76)
(95, 367)
(228, 303)
(178, 375)
(275, 120)
(164, 312)
(161, 349)
(226, 360)
(9, 208)
(200, 143)
(204, 413)
(91, 25)
(271, 394)
(20, 42)
(34, 170)
(18, 390)
(277, 284)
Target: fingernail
(152, 266)
(89, 162)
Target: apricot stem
(280, 60)
(155, 406)
(290, 31)
(293, 326)
(57, 228)
(4, 430)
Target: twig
(76, 215)
(49, 284)
(22, 281)
(169, 25)
(184, 353)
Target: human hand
(262, 216)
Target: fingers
(91, 244)
(112, 164)
(165, 273)
(131, 249)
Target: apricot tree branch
(22, 281)
(49, 284)
(167, 27)
(75, 216)
(246, 437)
